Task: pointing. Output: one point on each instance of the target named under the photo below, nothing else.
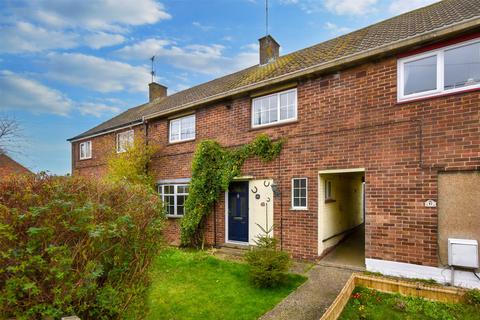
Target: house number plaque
(430, 203)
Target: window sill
(438, 95)
(330, 200)
(276, 124)
(299, 209)
(81, 159)
(180, 141)
(169, 216)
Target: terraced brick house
(383, 144)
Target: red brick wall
(9, 167)
(346, 120)
(103, 147)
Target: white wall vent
(463, 253)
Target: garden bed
(372, 297)
(196, 285)
(375, 305)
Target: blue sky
(68, 65)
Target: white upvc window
(173, 197)
(449, 69)
(124, 141)
(86, 150)
(182, 129)
(299, 193)
(274, 108)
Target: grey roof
(418, 22)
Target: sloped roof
(9, 166)
(423, 21)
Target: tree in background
(10, 134)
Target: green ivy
(213, 169)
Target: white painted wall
(257, 212)
(442, 275)
(343, 214)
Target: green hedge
(71, 246)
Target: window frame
(293, 206)
(277, 94)
(328, 192)
(440, 81)
(180, 128)
(175, 197)
(117, 141)
(89, 142)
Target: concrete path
(310, 300)
(350, 251)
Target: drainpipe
(281, 202)
(146, 142)
(215, 224)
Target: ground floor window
(173, 197)
(299, 193)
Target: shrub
(473, 297)
(131, 166)
(268, 266)
(70, 246)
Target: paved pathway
(310, 301)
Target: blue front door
(238, 211)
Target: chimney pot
(269, 49)
(156, 90)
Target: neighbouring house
(9, 167)
(383, 144)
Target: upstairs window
(85, 150)
(451, 69)
(274, 108)
(173, 197)
(182, 129)
(124, 141)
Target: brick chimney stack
(269, 49)
(156, 90)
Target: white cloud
(21, 93)
(401, 6)
(101, 39)
(350, 7)
(200, 26)
(336, 29)
(308, 6)
(96, 109)
(96, 74)
(205, 59)
(25, 37)
(18, 92)
(95, 14)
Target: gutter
(109, 130)
(400, 44)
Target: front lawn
(195, 285)
(371, 304)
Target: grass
(195, 285)
(374, 305)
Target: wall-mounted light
(275, 189)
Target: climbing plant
(213, 169)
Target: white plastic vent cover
(463, 253)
